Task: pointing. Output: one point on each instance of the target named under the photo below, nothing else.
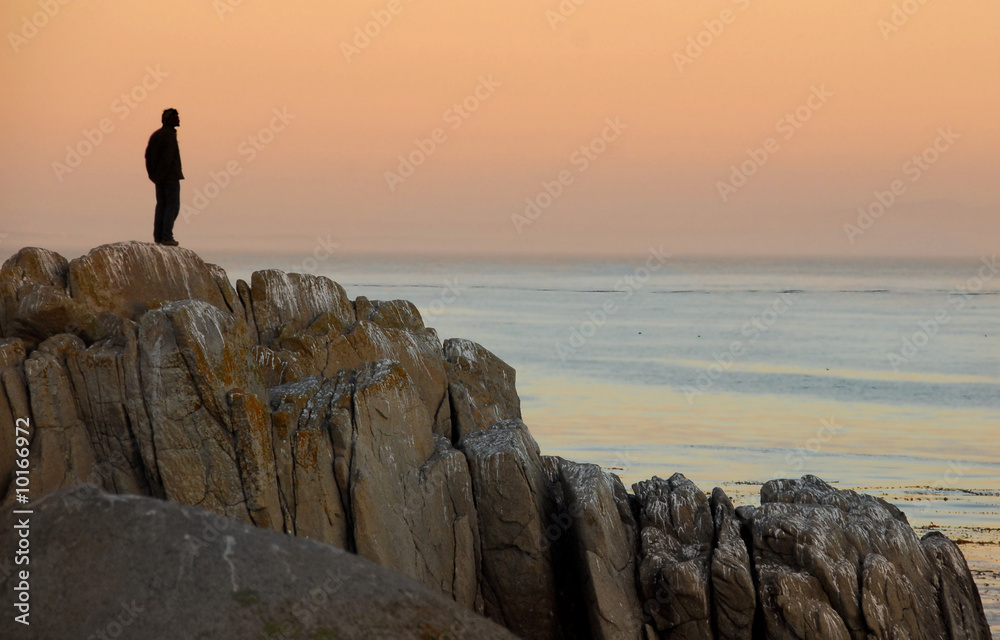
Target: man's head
(170, 118)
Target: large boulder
(44, 311)
(839, 564)
(30, 265)
(129, 278)
(113, 566)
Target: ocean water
(881, 376)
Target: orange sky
(689, 115)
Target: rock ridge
(284, 405)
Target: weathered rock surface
(283, 404)
(675, 552)
(512, 499)
(839, 564)
(481, 387)
(604, 532)
(129, 278)
(115, 566)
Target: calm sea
(882, 376)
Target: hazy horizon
(300, 119)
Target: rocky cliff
(283, 404)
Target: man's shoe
(170, 243)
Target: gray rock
(143, 568)
(513, 502)
(675, 556)
(481, 385)
(841, 564)
(604, 533)
(734, 597)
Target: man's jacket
(163, 156)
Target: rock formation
(110, 566)
(282, 404)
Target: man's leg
(172, 208)
(161, 205)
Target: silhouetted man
(163, 164)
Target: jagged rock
(675, 551)
(192, 359)
(390, 314)
(293, 301)
(512, 502)
(410, 497)
(98, 376)
(61, 451)
(604, 533)
(481, 386)
(13, 405)
(302, 441)
(129, 278)
(110, 566)
(286, 405)
(734, 597)
(40, 265)
(957, 597)
(828, 561)
(29, 265)
(45, 311)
